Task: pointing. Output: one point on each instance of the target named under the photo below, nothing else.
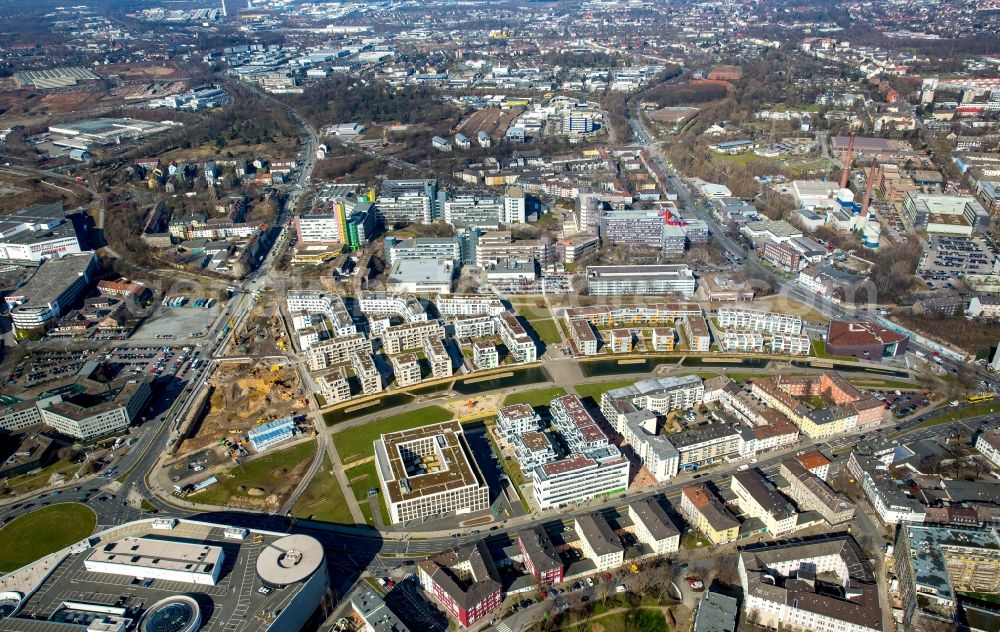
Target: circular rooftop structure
(289, 560)
(179, 613)
(9, 603)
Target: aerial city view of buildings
(519, 316)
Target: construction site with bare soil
(240, 395)
(262, 333)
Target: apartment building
(334, 386)
(790, 344)
(769, 323)
(988, 444)
(891, 504)
(704, 445)
(696, 331)
(848, 408)
(742, 342)
(653, 527)
(578, 429)
(406, 307)
(651, 315)
(664, 339)
(406, 369)
(367, 373)
(534, 448)
(580, 477)
(780, 587)
(465, 581)
(516, 339)
(659, 395)
(399, 338)
(336, 351)
(598, 542)
(708, 514)
(468, 305)
(517, 419)
(584, 337)
(620, 340)
(438, 357)
(485, 355)
(811, 493)
(758, 497)
(657, 454)
(474, 326)
(539, 556)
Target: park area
(44, 531)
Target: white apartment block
(763, 322)
(791, 344)
(657, 454)
(405, 306)
(516, 339)
(334, 386)
(517, 419)
(890, 503)
(580, 477)
(399, 338)
(406, 369)
(584, 337)
(598, 542)
(474, 326)
(485, 355)
(532, 449)
(336, 351)
(367, 373)
(653, 527)
(437, 356)
(578, 429)
(663, 339)
(468, 305)
(988, 443)
(646, 279)
(758, 497)
(657, 395)
(620, 340)
(514, 207)
(305, 306)
(699, 337)
(742, 341)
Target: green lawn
(27, 483)
(547, 330)
(537, 397)
(323, 500)
(962, 412)
(819, 350)
(43, 531)
(265, 472)
(357, 443)
(529, 309)
(363, 478)
(600, 388)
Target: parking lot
(946, 258)
(48, 366)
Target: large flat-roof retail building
(36, 232)
(169, 574)
(429, 472)
(51, 290)
(864, 340)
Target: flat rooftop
(234, 598)
(52, 278)
(444, 456)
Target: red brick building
(539, 556)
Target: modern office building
(643, 228)
(580, 477)
(781, 585)
(352, 223)
(644, 279)
(85, 408)
(598, 541)
(420, 276)
(708, 514)
(945, 214)
(474, 212)
(423, 248)
(464, 580)
(51, 290)
(429, 472)
(408, 202)
(171, 574)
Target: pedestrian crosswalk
(502, 627)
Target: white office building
(580, 477)
(474, 212)
(642, 279)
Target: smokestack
(224, 13)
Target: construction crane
(845, 175)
